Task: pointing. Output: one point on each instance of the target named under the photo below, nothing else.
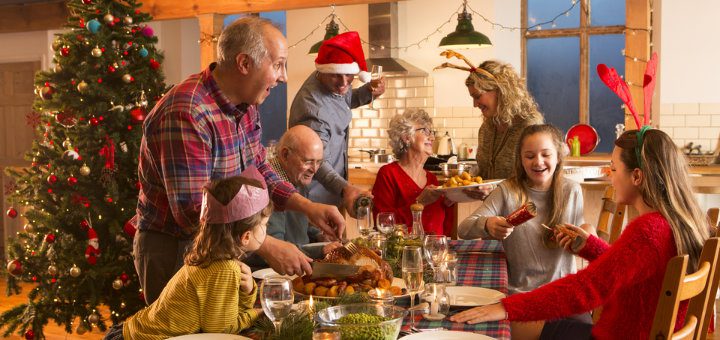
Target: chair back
(712, 215)
(699, 287)
(611, 217)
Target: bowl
(452, 169)
(385, 330)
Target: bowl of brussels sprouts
(365, 321)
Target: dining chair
(611, 210)
(698, 287)
(712, 215)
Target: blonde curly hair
(401, 128)
(514, 101)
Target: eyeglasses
(309, 162)
(425, 131)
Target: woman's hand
(574, 239)
(429, 195)
(492, 312)
(498, 227)
(246, 279)
(479, 193)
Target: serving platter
(456, 194)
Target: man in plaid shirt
(205, 128)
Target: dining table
(481, 263)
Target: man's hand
(350, 194)
(330, 247)
(327, 218)
(377, 87)
(498, 227)
(284, 257)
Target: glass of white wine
(375, 75)
(436, 249)
(364, 221)
(412, 274)
(386, 222)
(276, 298)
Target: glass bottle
(417, 232)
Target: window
(560, 59)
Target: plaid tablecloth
(480, 264)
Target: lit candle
(434, 305)
(311, 311)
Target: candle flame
(311, 301)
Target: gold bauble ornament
(80, 330)
(52, 270)
(108, 18)
(28, 228)
(127, 78)
(96, 52)
(82, 86)
(75, 271)
(117, 284)
(122, 304)
(93, 318)
(128, 20)
(67, 143)
(84, 170)
(57, 68)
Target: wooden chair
(607, 230)
(699, 287)
(712, 215)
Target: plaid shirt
(194, 135)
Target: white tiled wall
(692, 122)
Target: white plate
(468, 296)
(456, 194)
(395, 282)
(447, 335)
(208, 336)
(263, 273)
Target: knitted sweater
(625, 279)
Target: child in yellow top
(213, 292)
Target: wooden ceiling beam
(32, 17)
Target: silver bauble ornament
(108, 18)
(84, 170)
(93, 318)
(128, 20)
(82, 86)
(127, 78)
(52, 270)
(96, 52)
(28, 228)
(75, 271)
(117, 284)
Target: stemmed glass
(436, 249)
(386, 222)
(412, 274)
(276, 298)
(364, 221)
(375, 75)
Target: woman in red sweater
(649, 173)
(404, 182)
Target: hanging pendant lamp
(331, 29)
(465, 35)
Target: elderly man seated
(299, 154)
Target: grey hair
(401, 128)
(244, 35)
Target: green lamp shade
(465, 35)
(331, 29)
(315, 47)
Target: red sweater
(624, 278)
(394, 191)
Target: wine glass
(375, 75)
(276, 298)
(386, 222)
(364, 221)
(412, 274)
(436, 249)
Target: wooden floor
(55, 332)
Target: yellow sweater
(196, 299)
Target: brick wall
(692, 122)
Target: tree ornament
(147, 31)
(129, 227)
(93, 26)
(14, 267)
(28, 228)
(82, 86)
(50, 238)
(127, 20)
(123, 147)
(109, 18)
(72, 180)
(92, 252)
(93, 318)
(154, 64)
(87, 2)
(52, 179)
(52, 270)
(57, 68)
(84, 224)
(96, 52)
(127, 78)
(75, 271)
(94, 121)
(137, 115)
(122, 304)
(111, 68)
(84, 170)
(117, 284)
(29, 335)
(67, 143)
(80, 330)
(66, 119)
(143, 52)
(46, 92)
(70, 153)
(12, 213)
(65, 51)
(56, 44)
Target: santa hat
(343, 54)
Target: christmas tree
(80, 192)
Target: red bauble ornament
(129, 229)
(111, 68)
(52, 179)
(66, 119)
(72, 180)
(12, 213)
(14, 267)
(65, 51)
(94, 121)
(46, 92)
(50, 238)
(29, 335)
(84, 224)
(87, 2)
(124, 277)
(137, 115)
(154, 64)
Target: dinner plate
(395, 282)
(456, 194)
(208, 336)
(588, 137)
(447, 335)
(468, 296)
(267, 272)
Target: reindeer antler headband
(472, 69)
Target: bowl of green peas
(364, 321)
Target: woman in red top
(649, 173)
(404, 182)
